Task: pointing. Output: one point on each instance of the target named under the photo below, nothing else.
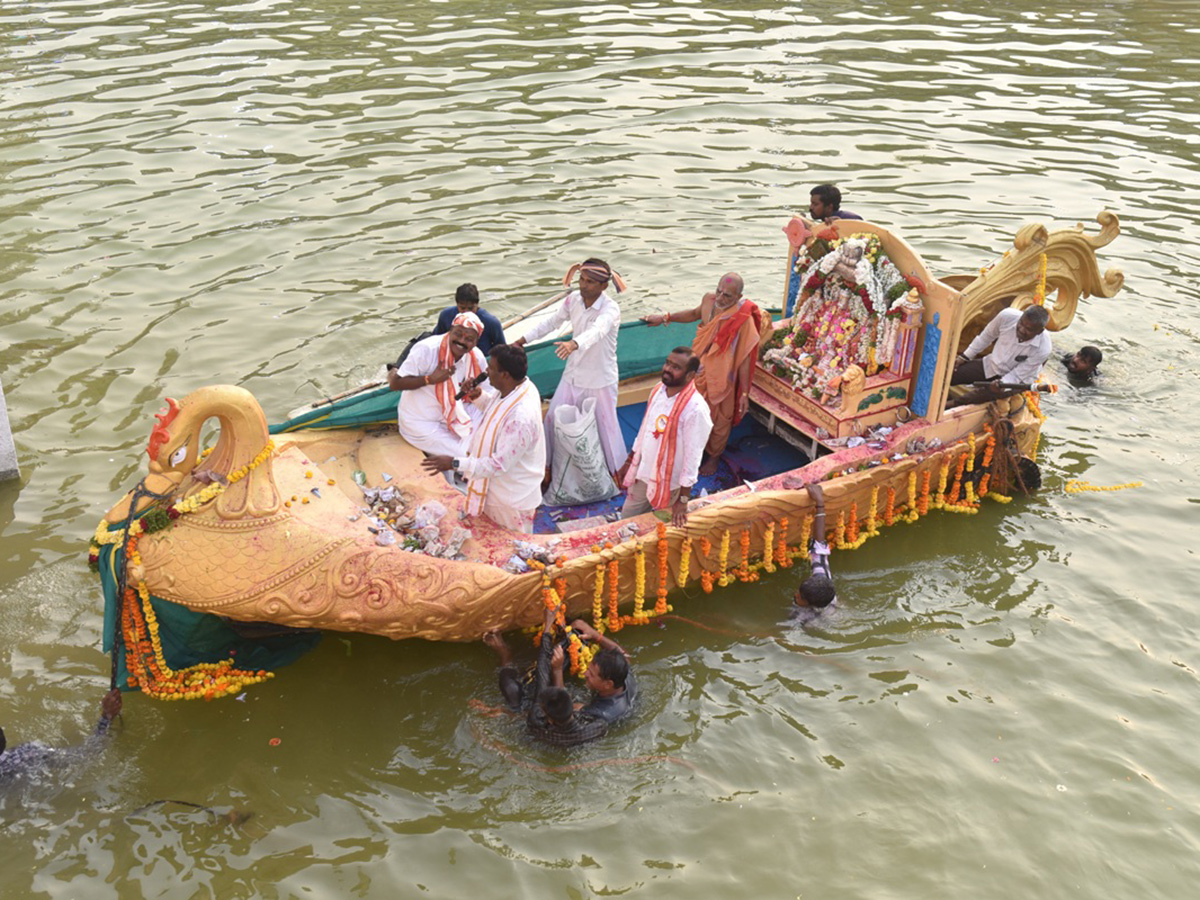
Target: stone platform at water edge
(8, 452)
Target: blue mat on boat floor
(752, 454)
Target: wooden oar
(374, 384)
(529, 312)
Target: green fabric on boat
(640, 351)
(189, 637)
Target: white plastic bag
(579, 474)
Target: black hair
(593, 261)
(1092, 355)
(817, 590)
(1029, 476)
(829, 195)
(556, 704)
(612, 666)
(466, 293)
(3, 740)
(511, 359)
(693, 364)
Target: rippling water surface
(278, 194)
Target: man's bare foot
(710, 466)
(495, 640)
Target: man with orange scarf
(727, 344)
(664, 463)
(430, 415)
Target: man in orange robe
(727, 343)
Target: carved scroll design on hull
(1072, 272)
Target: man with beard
(429, 414)
(665, 460)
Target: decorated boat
(326, 521)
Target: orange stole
(668, 442)
(718, 373)
(457, 419)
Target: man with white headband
(431, 416)
(591, 355)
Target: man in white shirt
(665, 461)
(591, 356)
(430, 414)
(506, 456)
(1021, 347)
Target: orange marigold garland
(148, 667)
(781, 552)
(660, 605)
(889, 511)
(614, 599)
(923, 501)
(768, 559)
(706, 577)
(598, 597)
(806, 528)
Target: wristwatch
(454, 464)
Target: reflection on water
(278, 194)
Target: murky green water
(278, 194)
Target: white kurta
(418, 413)
(506, 456)
(695, 423)
(1003, 360)
(594, 329)
(591, 371)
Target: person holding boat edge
(35, 758)
(825, 205)
(1021, 347)
(591, 354)
(466, 299)
(553, 717)
(727, 345)
(505, 456)
(664, 464)
(816, 593)
(430, 415)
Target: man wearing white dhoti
(591, 354)
(430, 415)
(505, 457)
(665, 462)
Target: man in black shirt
(552, 716)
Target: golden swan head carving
(176, 467)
